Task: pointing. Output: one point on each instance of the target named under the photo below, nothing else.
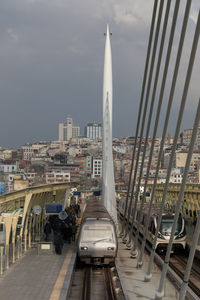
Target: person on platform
(73, 231)
(47, 230)
(58, 242)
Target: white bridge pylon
(108, 182)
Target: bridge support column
(14, 228)
(8, 222)
(25, 240)
(39, 225)
(7, 257)
(34, 227)
(13, 252)
(29, 232)
(20, 246)
(1, 260)
(17, 245)
(43, 223)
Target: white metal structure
(108, 183)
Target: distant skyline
(51, 58)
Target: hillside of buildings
(80, 159)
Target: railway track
(92, 282)
(98, 284)
(178, 264)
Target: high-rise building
(67, 130)
(93, 131)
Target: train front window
(167, 223)
(166, 226)
(97, 234)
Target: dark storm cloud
(51, 59)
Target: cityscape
(75, 158)
(100, 180)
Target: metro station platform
(48, 276)
(39, 277)
(132, 278)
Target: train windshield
(167, 223)
(97, 234)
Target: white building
(97, 168)
(57, 176)
(67, 130)
(93, 131)
(9, 168)
(176, 176)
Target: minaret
(108, 182)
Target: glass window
(97, 234)
(167, 223)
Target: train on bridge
(165, 229)
(97, 243)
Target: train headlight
(84, 248)
(110, 248)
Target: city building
(97, 168)
(57, 176)
(28, 152)
(81, 161)
(176, 176)
(8, 167)
(186, 137)
(181, 158)
(20, 185)
(88, 164)
(67, 130)
(93, 131)
(73, 170)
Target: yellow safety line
(61, 277)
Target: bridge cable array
(133, 188)
(139, 116)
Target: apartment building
(67, 130)
(97, 168)
(57, 176)
(93, 131)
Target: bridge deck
(132, 278)
(38, 276)
(47, 277)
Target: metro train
(97, 242)
(164, 233)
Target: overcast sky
(51, 65)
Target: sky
(51, 65)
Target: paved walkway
(38, 277)
(132, 278)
